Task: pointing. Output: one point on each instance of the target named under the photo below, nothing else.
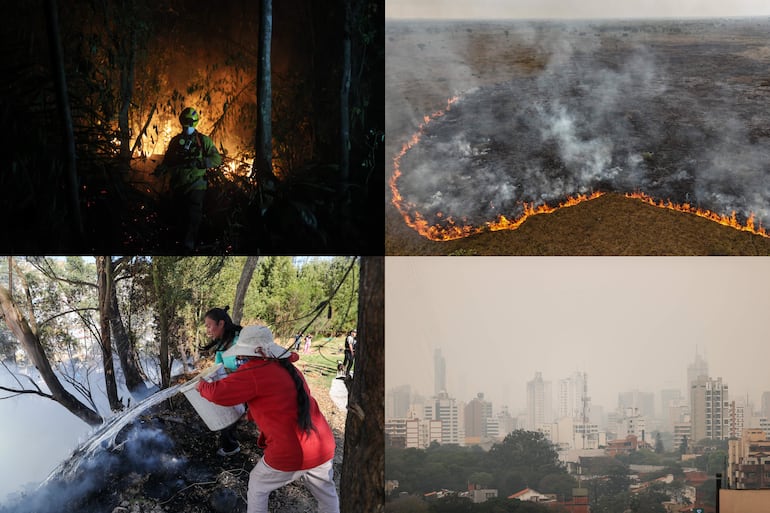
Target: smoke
(90, 478)
(611, 108)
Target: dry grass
(609, 225)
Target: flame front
(451, 230)
(722, 219)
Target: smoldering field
(678, 110)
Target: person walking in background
(308, 342)
(296, 438)
(297, 341)
(350, 352)
(223, 333)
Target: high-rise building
(671, 408)
(765, 408)
(736, 411)
(682, 434)
(439, 373)
(477, 411)
(570, 396)
(709, 409)
(445, 408)
(643, 402)
(539, 399)
(696, 369)
(397, 402)
(505, 423)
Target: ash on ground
(166, 461)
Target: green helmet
(189, 117)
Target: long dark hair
(231, 329)
(303, 399)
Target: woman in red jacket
(296, 439)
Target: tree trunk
(126, 93)
(345, 99)
(124, 346)
(104, 283)
(243, 285)
(34, 350)
(263, 164)
(362, 486)
(158, 279)
(57, 60)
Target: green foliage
(561, 484)
(452, 504)
(712, 462)
(649, 501)
(407, 504)
(524, 458)
(527, 454)
(483, 479)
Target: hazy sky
(630, 323)
(538, 9)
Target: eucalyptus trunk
(263, 163)
(65, 115)
(35, 352)
(243, 285)
(105, 283)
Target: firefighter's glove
(205, 163)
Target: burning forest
(89, 124)
(551, 115)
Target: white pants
(319, 480)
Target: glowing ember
(451, 229)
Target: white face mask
(188, 130)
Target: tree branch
(16, 392)
(50, 273)
(74, 310)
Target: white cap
(257, 341)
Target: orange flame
(450, 230)
(722, 219)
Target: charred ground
(684, 119)
(166, 461)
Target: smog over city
(493, 120)
(629, 324)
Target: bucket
(215, 416)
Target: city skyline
(628, 323)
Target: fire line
(451, 230)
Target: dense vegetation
(526, 459)
(156, 316)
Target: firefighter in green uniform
(187, 158)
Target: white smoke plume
(612, 108)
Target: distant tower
(586, 408)
(439, 373)
(765, 408)
(570, 396)
(538, 402)
(696, 369)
